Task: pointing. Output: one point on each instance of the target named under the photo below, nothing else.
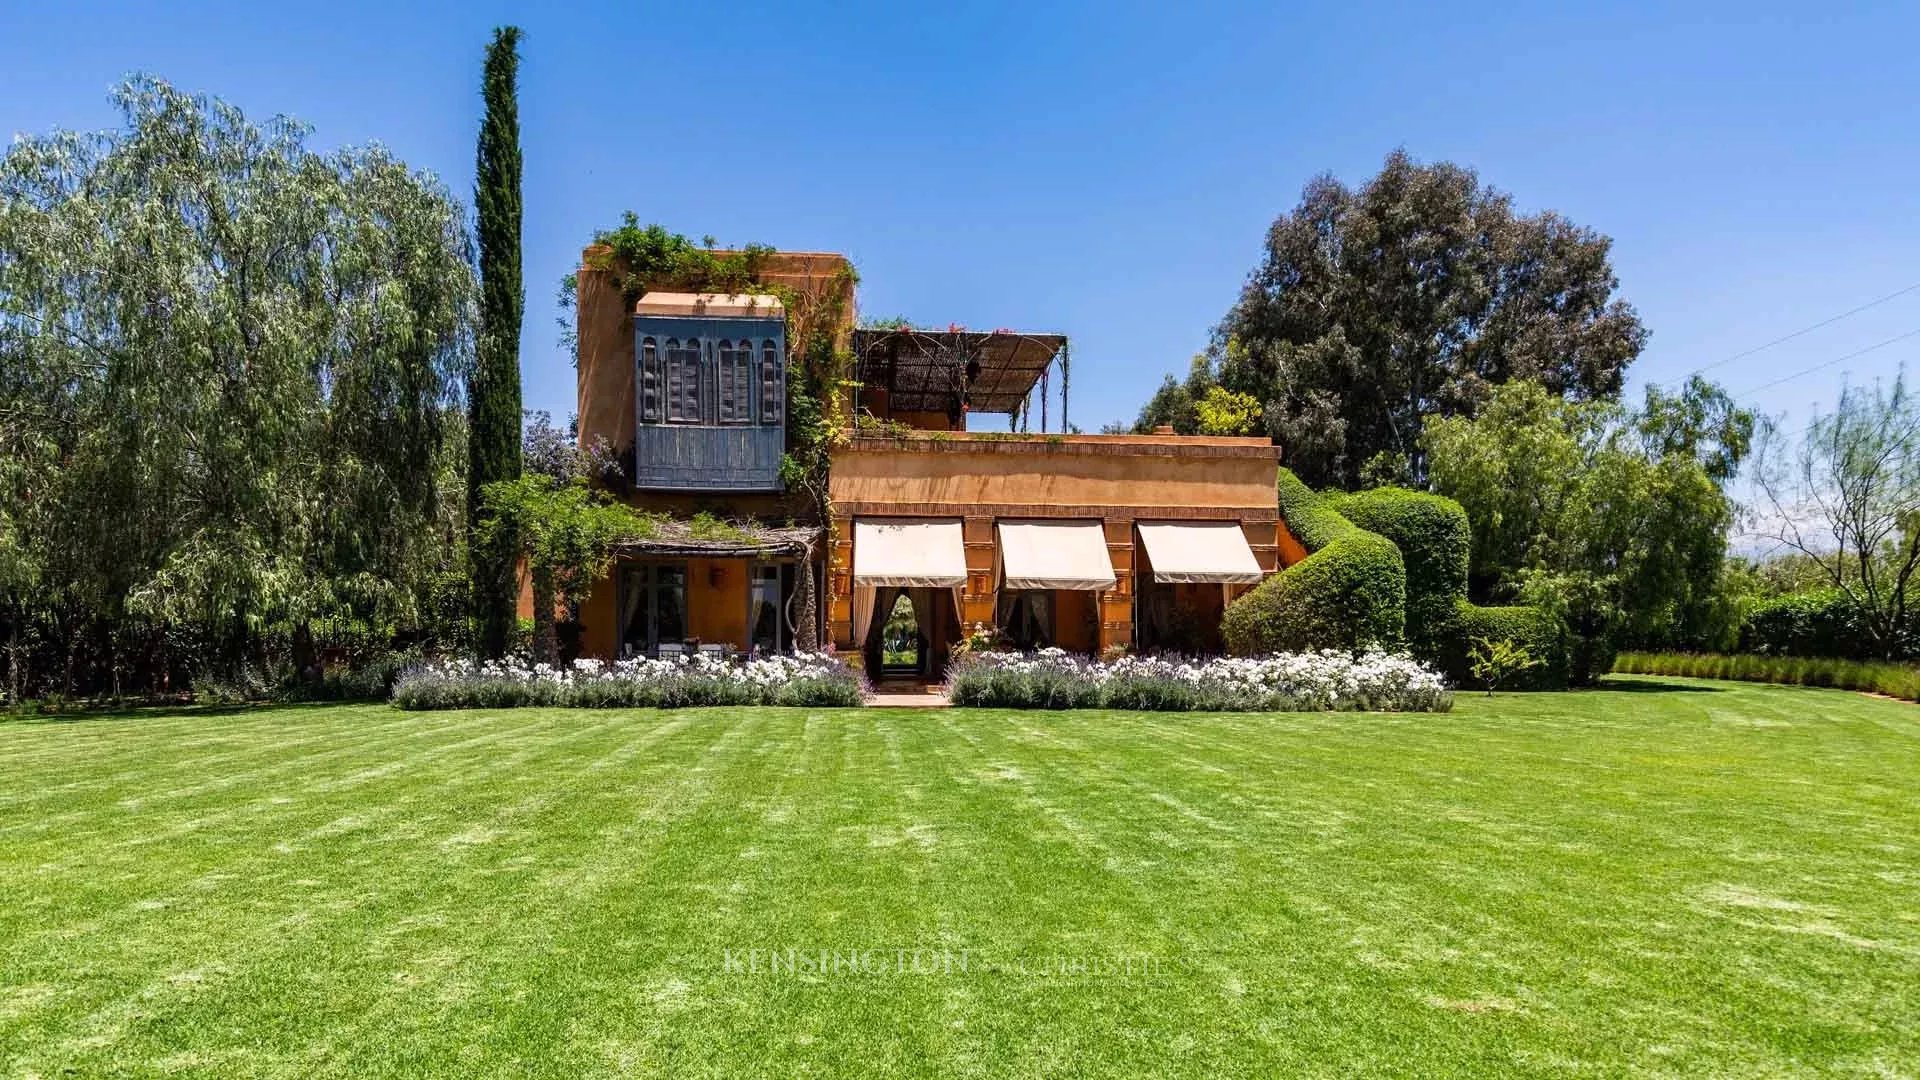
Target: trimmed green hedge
(1350, 590)
(1818, 622)
(1434, 539)
(1538, 632)
(1871, 676)
(1435, 542)
(1382, 567)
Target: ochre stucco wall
(1037, 472)
(1117, 479)
(717, 601)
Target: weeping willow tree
(231, 369)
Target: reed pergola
(955, 370)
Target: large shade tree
(1377, 308)
(229, 372)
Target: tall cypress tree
(493, 394)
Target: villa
(1088, 542)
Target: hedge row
(1434, 541)
(1871, 676)
(1538, 632)
(1383, 566)
(1349, 592)
(1818, 622)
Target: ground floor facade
(1089, 543)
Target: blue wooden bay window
(709, 402)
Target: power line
(1803, 331)
(1829, 363)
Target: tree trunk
(546, 641)
(16, 678)
(306, 658)
(806, 630)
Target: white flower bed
(691, 680)
(1328, 680)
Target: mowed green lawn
(1664, 878)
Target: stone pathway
(895, 694)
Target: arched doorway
(903, 650)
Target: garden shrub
(1435, 542)
(1530, 628)
(1872, 676)
(1329, 680)
(1434, 539)
(1349, 592)
(685, 682)
(1818, 622)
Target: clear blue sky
(1104, 172)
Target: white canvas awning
(1058, 554)
(1184, 552)
(909, 552)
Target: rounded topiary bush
(1350, 591)
(1435, 541)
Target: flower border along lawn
(1664, 877)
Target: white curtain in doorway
(862, 614)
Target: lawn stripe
(1681, 881)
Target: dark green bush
(1819, 622)
(1873, 676)
(1434, 539)
(1350, 590)
(1534, 630)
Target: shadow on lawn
(79, 714)
(1628, 684)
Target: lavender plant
(1372, 681)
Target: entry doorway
(911, 632)
(903, 651)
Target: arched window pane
(684, 402)
(772, 381)
(650, 388)
(727, 383)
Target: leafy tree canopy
(1842, 498)
(1615, 520)
(231, 371)
(1412, 297)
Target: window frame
(686, 402)
(728, 373)
(645, 577)
(733, 370)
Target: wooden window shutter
(690, 381)
(728, 392)
(674, 388)
(771, 411)
(649, 381)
